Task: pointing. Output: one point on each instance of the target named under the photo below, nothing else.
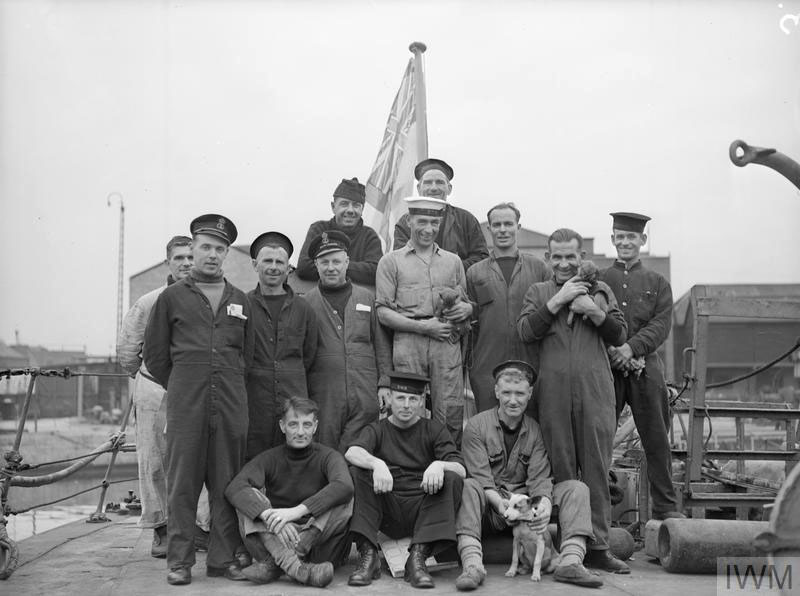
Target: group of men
(265, 398)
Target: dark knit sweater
(316, 477)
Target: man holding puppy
(504, 451)
(407, 292)
(575, 400)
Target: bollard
(651, 538)
(694, 545)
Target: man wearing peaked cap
(504, 452)
(410, 287)
(353, 352)
(198, 344)
(365, 247)
(403, 490)
(212, 224)
(645, 298)
(286, 334)
(459, 231)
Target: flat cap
(216, 225)
(629, 222)
(351, 190)
(327, 242)
(518, 365)
(433, 164)
(275, 239)
(425, 206)
(407, 382)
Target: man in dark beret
(408, 477)
(365, 247)
(645, 299)
(285, 329)
(504, 453)
(198, 345)
(459, 231)
(353, 351)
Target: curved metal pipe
(742, 154)
(50, 478)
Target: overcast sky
(256, 110)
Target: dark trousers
(647, 397)
(426, 518)
(202, 448)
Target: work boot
(416, 571)
(470, 579)
(306, 540)
(578, 575)
(605, 560)
(180, 576)
(159, 547)
(232, 572)
(317, 575)
(263, 572)
(369, 565)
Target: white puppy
(532, 549)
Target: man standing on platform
(497, 286)
(574, 393)
(408, 478)
(459, 231)
(353, 350)
(285, 329)
(147, 397)
(198, 344)
(645, 299)
(504, 450)
(408, 291)
(294, 502)
(365, 246)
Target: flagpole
(420, 105)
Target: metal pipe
(694, 545)
(98, 515)
(742, 154)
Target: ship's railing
(10, 473)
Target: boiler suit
(352, 357)
(574, 394)
(200, 357)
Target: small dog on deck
(532, 551)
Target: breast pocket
(483, 294)
(644, 306)
(232, 332)
(360, 326)
(407, 299)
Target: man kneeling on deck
(293, 503)
(408, 477)
(503, 449)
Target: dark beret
(351, 190)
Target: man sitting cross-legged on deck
(410, 486)
(293, 503)
(503, 449)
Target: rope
(756, 371)
(9, 553)
(101, 485)
(26, 467)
